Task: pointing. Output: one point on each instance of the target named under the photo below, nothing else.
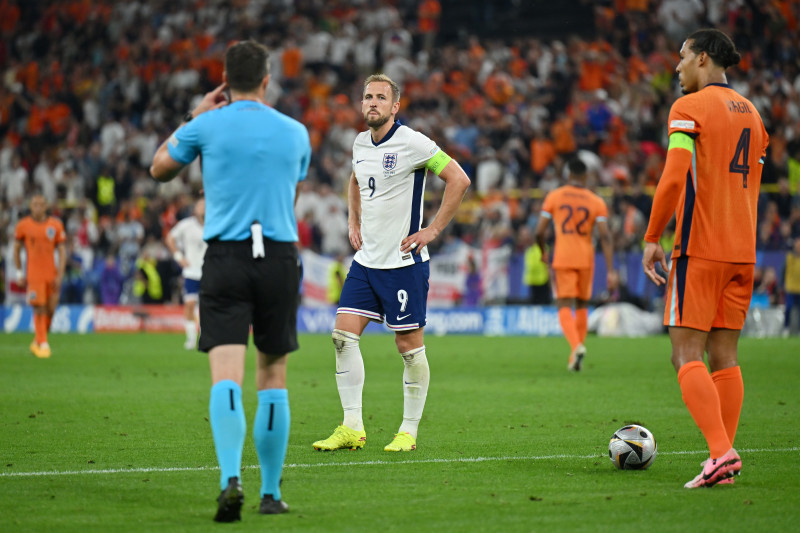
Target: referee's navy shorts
(237, 290)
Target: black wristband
(188, 116)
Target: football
(632, 448)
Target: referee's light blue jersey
(252, 157)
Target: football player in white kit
(185, 241)
(388, 280)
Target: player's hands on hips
(653, 253)
(212, 100)
(354, 233)
(418, 241)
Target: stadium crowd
(91, 87)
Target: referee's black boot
(269, 505)
(230, 502)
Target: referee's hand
(212, 100)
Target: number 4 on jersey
(743, 153)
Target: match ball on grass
(632, 448)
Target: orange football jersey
(574, 211)
(716, 212)
(40, 240)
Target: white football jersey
(391, 177)
(188, 235)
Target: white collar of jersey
(388, 134)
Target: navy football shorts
(398, 296)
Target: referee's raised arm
(164, 167)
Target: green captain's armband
(681, 140)
(439, 160)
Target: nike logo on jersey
(403, 317)
(360, 160)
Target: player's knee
(415, 357)
(407, 341)
(342, 338)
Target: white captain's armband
(439, 160)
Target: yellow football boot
(343, 438)
(402, 442)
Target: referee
(253, 158)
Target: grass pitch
(112, 434)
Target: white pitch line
(364, 463)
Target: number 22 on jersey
(575, 220)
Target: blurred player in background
(388, 279)
(791, 284)
(575, 211)
(711, 182)
(253, 160)
(185, 242)
(42, 236)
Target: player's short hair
(246, 65)
(384, 78)
(717, 45)
(576, 167)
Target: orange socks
(40, 327)
(730, 389)
(701, 398)
(569, 327)
(582, 322)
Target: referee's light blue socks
(228, 426)
(271, 436)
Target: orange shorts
(574, 283)
(704, 294)
(40, 292)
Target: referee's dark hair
(246, 65)
(717, 45)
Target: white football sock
(416, 377)
(191, 331)
(349, 377)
